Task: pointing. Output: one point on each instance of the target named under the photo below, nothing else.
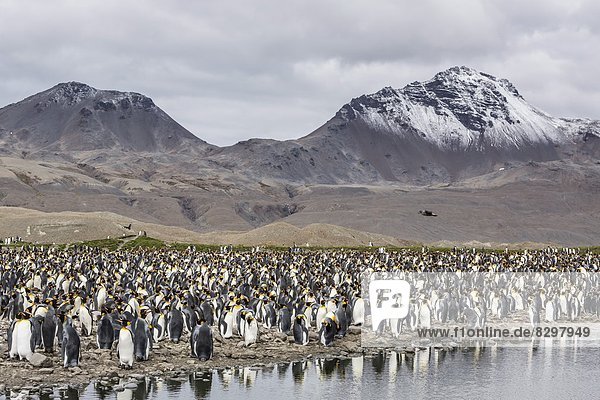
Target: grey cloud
(229, 71)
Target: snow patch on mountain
(459, 108)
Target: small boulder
(46, 371)
(40, 361)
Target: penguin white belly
(37, 282)
(550, 311)
(65, 286)
(125, 347)
(425, 317)
(519, 303)
(162, 324)
(251, 332)
(331, 306)
(321, 312)
(86, 320)
(305, 337)
(22, 339)
(358, 312)
(40, 311)
(228, 332)
(101, 298)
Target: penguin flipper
(32, 338)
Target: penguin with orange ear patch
(125, 347)
(328, 330)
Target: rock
(290, 339)
(281, 336)
(354, 330)
(313, 335)
(76, 371)
(240, 344)
(46, 371)
(40, 361)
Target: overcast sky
(232, 70)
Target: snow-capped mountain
(459, 109)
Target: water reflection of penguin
(299, 371)
(357, 368)
(378, 362)
(201, 383)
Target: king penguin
(300, 330)
(175, 325)
(201, 341)
(328, 331)
(142, 340)
(22, 340)
(106, 334)
(70, 346)
(125, 347)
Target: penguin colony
(130, 300)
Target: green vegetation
(109, 244)
(143, 242)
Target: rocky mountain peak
(71, 93)
(457, 108)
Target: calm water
(503, 373)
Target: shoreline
(167, 358)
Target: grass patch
(108, 244)
(144, 242)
